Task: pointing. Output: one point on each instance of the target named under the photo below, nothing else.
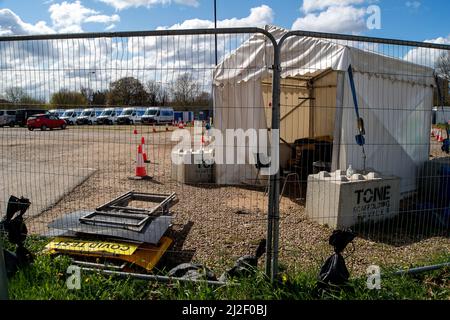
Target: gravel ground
(213, 225)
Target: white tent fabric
(395, 101)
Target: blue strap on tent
(360, 140)
(353, 88)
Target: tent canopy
(395, 98)
(304, 56)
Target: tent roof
(306, 56)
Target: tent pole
(338, 121)
(274, 190)
(215, 27)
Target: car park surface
(61, 177)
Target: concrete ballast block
(340, 202)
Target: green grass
(46, 280)
(442, 126)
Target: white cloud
(125, 4)
(191, 3)
(339, 16)
(314, 5)
(425, 56)
(101, 18)
(338, 19)
(11, 24)
(259, 16)
(110, 27)
(52, 65)
(68, 17)
(413, 4)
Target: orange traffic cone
(167, 127)
(181, 125)
(144, 154)
(141, 171)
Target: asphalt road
(44, 166)
(35, 165)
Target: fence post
(3, 275)
(274, 189)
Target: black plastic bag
(13, 224)
(245, 266)
(334, 272)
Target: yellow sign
(76, 245)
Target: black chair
(262, 161)
(286, 175)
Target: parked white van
(71, 116)
(7, 118)
(158, 115)
(109, 116)
(89, 116)
(56, 112)
(131, 115)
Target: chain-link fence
(150, 113)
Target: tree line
(184, 91)
(443, 72)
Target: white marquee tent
(395, 98)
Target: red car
(45, 121)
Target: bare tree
(203, 99)
(163, 96)
(443, 65)
(443, 71)
(153, 89)
(88, 94)
(15, 94)
(18, 95)
(156, 93)
(94, 98)
(184, 90)
(99, 98)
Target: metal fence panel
(308, 90)
(68, 173)
(396, 92)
